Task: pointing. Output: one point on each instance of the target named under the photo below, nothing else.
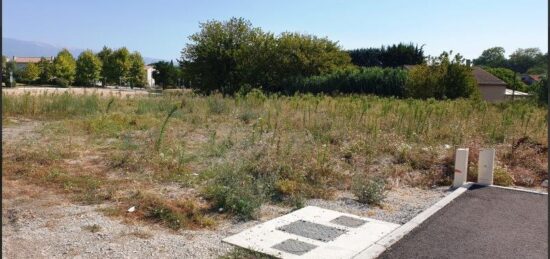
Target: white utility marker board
(313, 232)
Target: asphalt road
(483, 222)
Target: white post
(486, 166)
(461, 167)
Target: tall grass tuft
(163, 128)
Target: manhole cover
(348, 221)
(294, 247)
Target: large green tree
(166, 74)
(88, 68)
(524, 59)
(395, 55)
(136, 76)
(120, 63)
(107, 67)
(64, 67)
(233, 55)
(492, 57)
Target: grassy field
(183, 159)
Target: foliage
(492, 57)
(443, 78)
(524, 59)
(509, 77)
(107, 67)
(233, 188)
(372, 80)
(30, 73)
(64, 68)
(88, 68)
(166, 74)
(370, 190)
(121, 62)
(502, 177)
(528, 60)
(46, 71)
(137, 76)
(542, 90)
(232, 55)
(395, 55)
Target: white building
(150, 79)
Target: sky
(160, 29)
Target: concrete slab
(268, 238)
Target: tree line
(120, 67)
(235, 57)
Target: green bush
(235, 189)
(372, 80)
(445, 78)
(370, 190)
(509, 77)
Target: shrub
(442, 79)
(234, 189)
(372, 80)
(501, 177)
(370, 190)
(61, 82)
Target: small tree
(166, 74)
(441, 79)
(119, 65)
(64, 67)
(46, 71)
(107, 69)
(88, 68)
(137, 76)
(31, 73)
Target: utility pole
(514, 86)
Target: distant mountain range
(20, 48)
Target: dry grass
(233, 154)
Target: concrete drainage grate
(348, 221)
(294, 247)
(312, 230)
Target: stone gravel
(36, 229)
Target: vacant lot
(195, 163)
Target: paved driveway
(484, 222)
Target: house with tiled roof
(22, 62)
(530, 79)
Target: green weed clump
(233, 188)
(369, 190)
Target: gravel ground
(37, 228)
